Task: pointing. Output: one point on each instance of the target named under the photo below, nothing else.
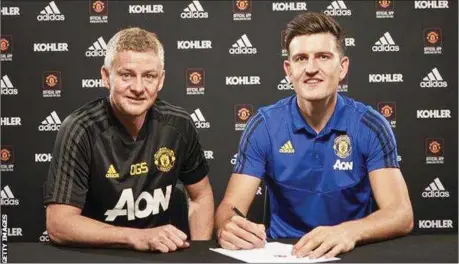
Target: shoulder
(278, 109)
(368, 120)
(89, 115)
(361, 113)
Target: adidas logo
(111, 172)
(44, 237)
(7, 87)
(6, 193)
(199, 120)
(8, 197)
(285, 84)
(194, 10)
(435, 190)
(233, 160)
(424, 4)
(385, 43)
(287, 148)
(51, 123)
(97, 49)
(337, 8)
(433, 79)
(50, 13)
(242, 46)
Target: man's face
(315, 66)
(134, 80)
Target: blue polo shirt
(315, 179)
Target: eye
(126, 74)
(300, 58)
(150, 76)
(323, 57)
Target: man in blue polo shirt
(322, 155)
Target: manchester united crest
(342, 146)
(164, 159)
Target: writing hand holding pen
(240, 233)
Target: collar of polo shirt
(336, 122)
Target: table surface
(413, 248)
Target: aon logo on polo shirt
(343, 165)
(126, 206)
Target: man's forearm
(383, 224)
(81, 230)
(201, 217)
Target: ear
(161, 80)
(104, 72)
(287, 69)
(344, 67)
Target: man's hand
(165, 239)
(240, 233)
(326, 241)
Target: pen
(236, 211)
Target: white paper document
(273, 252)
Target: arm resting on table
(395, 215)
(201, 210)
(66, 226)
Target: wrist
(126, 236)
(354, 229)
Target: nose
(311, 67)
(137, 87)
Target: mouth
(312, 81)
(135, 99)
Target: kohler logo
(43, 47)
(436, 223)
(242, 80)
(437, 113)
(385, 77)
(430, 4)
(145, 9)
(194, 44)
(289, 6)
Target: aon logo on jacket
(126, 206)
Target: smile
(312, 81)
(135, 99)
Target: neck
(132, 124)
(317, 113)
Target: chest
(156, 158)
(317, 163)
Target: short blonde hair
(135, 39)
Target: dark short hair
(308, 23)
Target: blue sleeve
(253, 148)
(380, 145)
